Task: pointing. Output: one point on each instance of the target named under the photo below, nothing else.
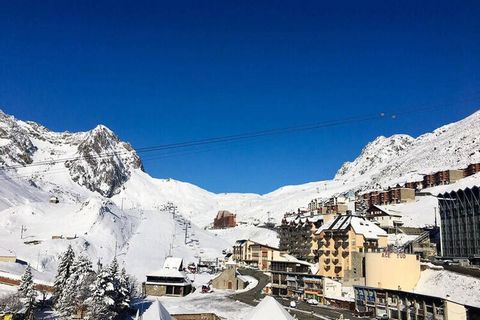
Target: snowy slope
(112, 206)
(401, 158)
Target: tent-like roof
(156, 311)
(269, 309)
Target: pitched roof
(361, 226)
(156, 311)
(269, 309)
(173, 263)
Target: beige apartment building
(254, 254)
(391, 270)
(342, 244)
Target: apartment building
(442, 177)
(385, 219)
(333, 206)
(390, 196)
(342, 244)
(287, 275)
(398, 304)
(225, 219)
(472, 169)
(460, 223)
(254, 254)
(297, 235)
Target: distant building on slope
(168, 281)
(442, 177)
(225, 219)
(385, 219)
(460, 223)
(472, 169)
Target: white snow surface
(131, 224)
(269, 309)
(450, 285)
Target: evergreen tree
(63, 273)
(100, 304)
(26, 290)
(124, 290)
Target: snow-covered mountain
(401, 158)
(109, 205)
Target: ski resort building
(297, 236)
(225, 219)
(442, 177)
(254, 254)
(342, 244)
(385, 219)
(398, 304)
(472, 169)
(460, 223)
(390, 196)
(287, 273)
(168, 281)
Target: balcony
(336, 261)
(326, 261)
(327, 252)
(326, 267)
(338, 269)
(345, 254)
(335, 253)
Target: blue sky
(164, 72)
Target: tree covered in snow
(100, 304)
(26, 290)
(77, 288)
(63, 273)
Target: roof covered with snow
(173, 263)
(156, 311)
(450, 285)
(269, 309)
(359, 224)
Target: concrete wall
(331, 288)
(391, 271)
(155, 290)
(455, 311)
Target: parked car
(312, 301)
(383, 317)
(293, 304)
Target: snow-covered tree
(77, 288)
(100, 305)
(26, 290)
(63, 272)
(124, 290)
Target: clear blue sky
(163, 72)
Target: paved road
(304, 311)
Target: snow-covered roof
(173, 263)
(156, 311)
(269, 309)
(450, 285)
(361, 226)
(6, 253)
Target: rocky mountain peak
(103, 163)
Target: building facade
(342, 244)
(460, 223)
(225, 219)
(442, 177)
(472, 169)
(297, 236)
(254, 254)
(168, 281)
(397, 304)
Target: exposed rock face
(16, 148)
(401, 158)
(104, 162)
(96, 159)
